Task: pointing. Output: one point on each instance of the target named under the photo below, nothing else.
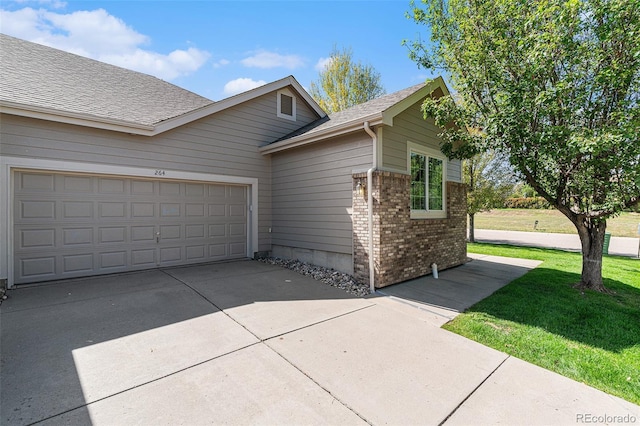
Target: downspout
(374, 137)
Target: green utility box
(607, 240)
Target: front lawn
(624, 225)
(590, 337)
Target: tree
(555, 85)
(487, 176)
(344, 83)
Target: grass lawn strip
(624, 225)
(590, 337)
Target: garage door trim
(10, 164)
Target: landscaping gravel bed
(328, 276)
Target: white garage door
(71, 225)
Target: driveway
(250, 343)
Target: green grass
(590, 337)
(624, 225)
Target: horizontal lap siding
(411, 126)
(225, 144)
(312, 189)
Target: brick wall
(405, 248)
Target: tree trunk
(592, 239)
(472, 237)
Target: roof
(381, 110)
(39, 76)
(46, 83)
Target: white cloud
(97, 34)
(221, 63)
(322, 64)
(265, 59)
(240, 85)
(56, 4)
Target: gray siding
(224, 144)
(411, 126)
(312, 189)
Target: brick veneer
(405, 248)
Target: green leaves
(554, 84)
(344, 83)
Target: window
(286, 105)
(428, 171)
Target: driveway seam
(214, 305)
(265, 343)
(473, 391)
(317, 383)
(173, 373)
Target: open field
(590, 337)
(625, 225)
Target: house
(107, 170)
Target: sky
(220, 48)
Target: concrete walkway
(250, 343)
(619, 246)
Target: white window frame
(280, 114)
(413, 148)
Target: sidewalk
(619, 246)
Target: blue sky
(220, 48)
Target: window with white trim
(286, 105)
(428, 175)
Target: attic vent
(286, 105)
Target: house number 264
(160, 173)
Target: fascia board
(389, 114)
(205, 111)
(163, 126)
(75, 118)
(313, 137)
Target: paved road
(619, 246)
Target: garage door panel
(37, 268)
(33, 209)
(143, 210)
(77, 209)
(110, 235)
(112, 210)
(69, 225)
(112, 186)
(237, 249)
(37, 238)
(75, 236)
(36, 182)
(170, 210)
(195, 190)
(77, 263)
(195, 231)
(196, 253)
(170, 232)
(142, 233)
(117, 259)
(144, 258)
(76, 184)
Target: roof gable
(51, 84)
(381, 110)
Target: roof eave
(312, 137)
(390, 113)
(232, 101)
(87, 120)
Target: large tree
(344, 83)
(554, 84)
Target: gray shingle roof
(355, 113)
(39, 76)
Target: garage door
(71, 225)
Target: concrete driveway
(250, 343)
